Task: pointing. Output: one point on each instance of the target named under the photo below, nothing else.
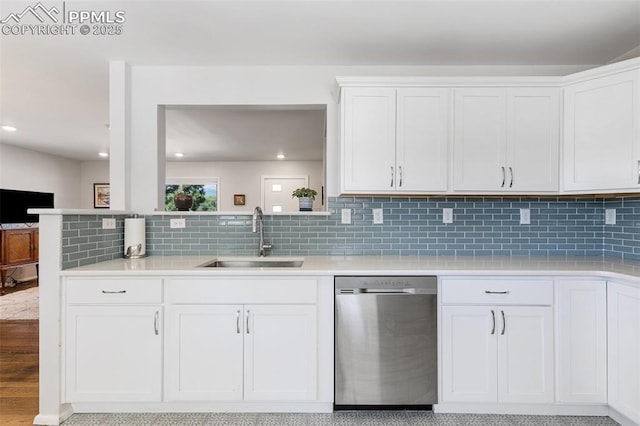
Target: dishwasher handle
(385, 291)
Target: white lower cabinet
(581, 338)
(263, 350)
(236, 352)
(497, 354)
(113, 343)
(494, 349)
(624, 349)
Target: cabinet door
(533, 137)
(113, 353)
(525, 354)
(623, 303)
(479, 162)
(469, 356)
(601, 133)
(280, 357)
(368, 139)
(204, 352)
(581, 336)
(422, 140)
(18, 246)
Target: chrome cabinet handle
(504, 177)
(639, 172)
(391, 177)
(493, 317)
(400, 169)
(248, 313)
(496, 292)
(238, 322)
(511, 173)
(156, 318)
(504, 324)
(114, 292)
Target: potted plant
(183, 200)
(305, 198)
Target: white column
(120, 135)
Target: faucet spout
(258, 226)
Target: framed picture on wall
(101, 196)
(238, 199)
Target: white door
(422, 140)
(280, 356)
(204, 352)
(623, 303)
(525, 354)
(581, 336)
(479, 152)
(469, 356)
(533, 138)
(276, 193)
(602, 133)
(113, 353)
(368, 139)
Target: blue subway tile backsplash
(560, 226)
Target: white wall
(28, 170)
(244, 178)
(152, 87)
(92, 172)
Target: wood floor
(18, 372)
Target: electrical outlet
(346, 216)
(378, 218)
(609, 216)
(447, 215)
(525, 217)
(177, 223)
(108, 223)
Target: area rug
(20, 305)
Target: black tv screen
(14, 205)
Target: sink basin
(273, 262)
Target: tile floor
(360, 418)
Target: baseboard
(523, 409)
(621, 418)
(203, 407)
(54, 419)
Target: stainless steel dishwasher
(385, 342)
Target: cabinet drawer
(497, 291)
(242, 290)
(114, 290)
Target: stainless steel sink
(254, 263)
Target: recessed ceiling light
(103, 154)
(9, 128)
(179, 154)
(280, 156)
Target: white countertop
(372, 265)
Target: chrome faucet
(258, 222)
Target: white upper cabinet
(422, 140)
(394, 140)
(506, 140)
(368, 139)
(602, 135)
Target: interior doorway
(276, 193)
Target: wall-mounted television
(14, 205)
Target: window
(204, 193)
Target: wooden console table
(18, 247)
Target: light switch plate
(108, 223)
(609, 216)
(177, 223)
(525, 217)
(346, 216)
(447, 215)
(378, 218)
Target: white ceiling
(54, 89)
